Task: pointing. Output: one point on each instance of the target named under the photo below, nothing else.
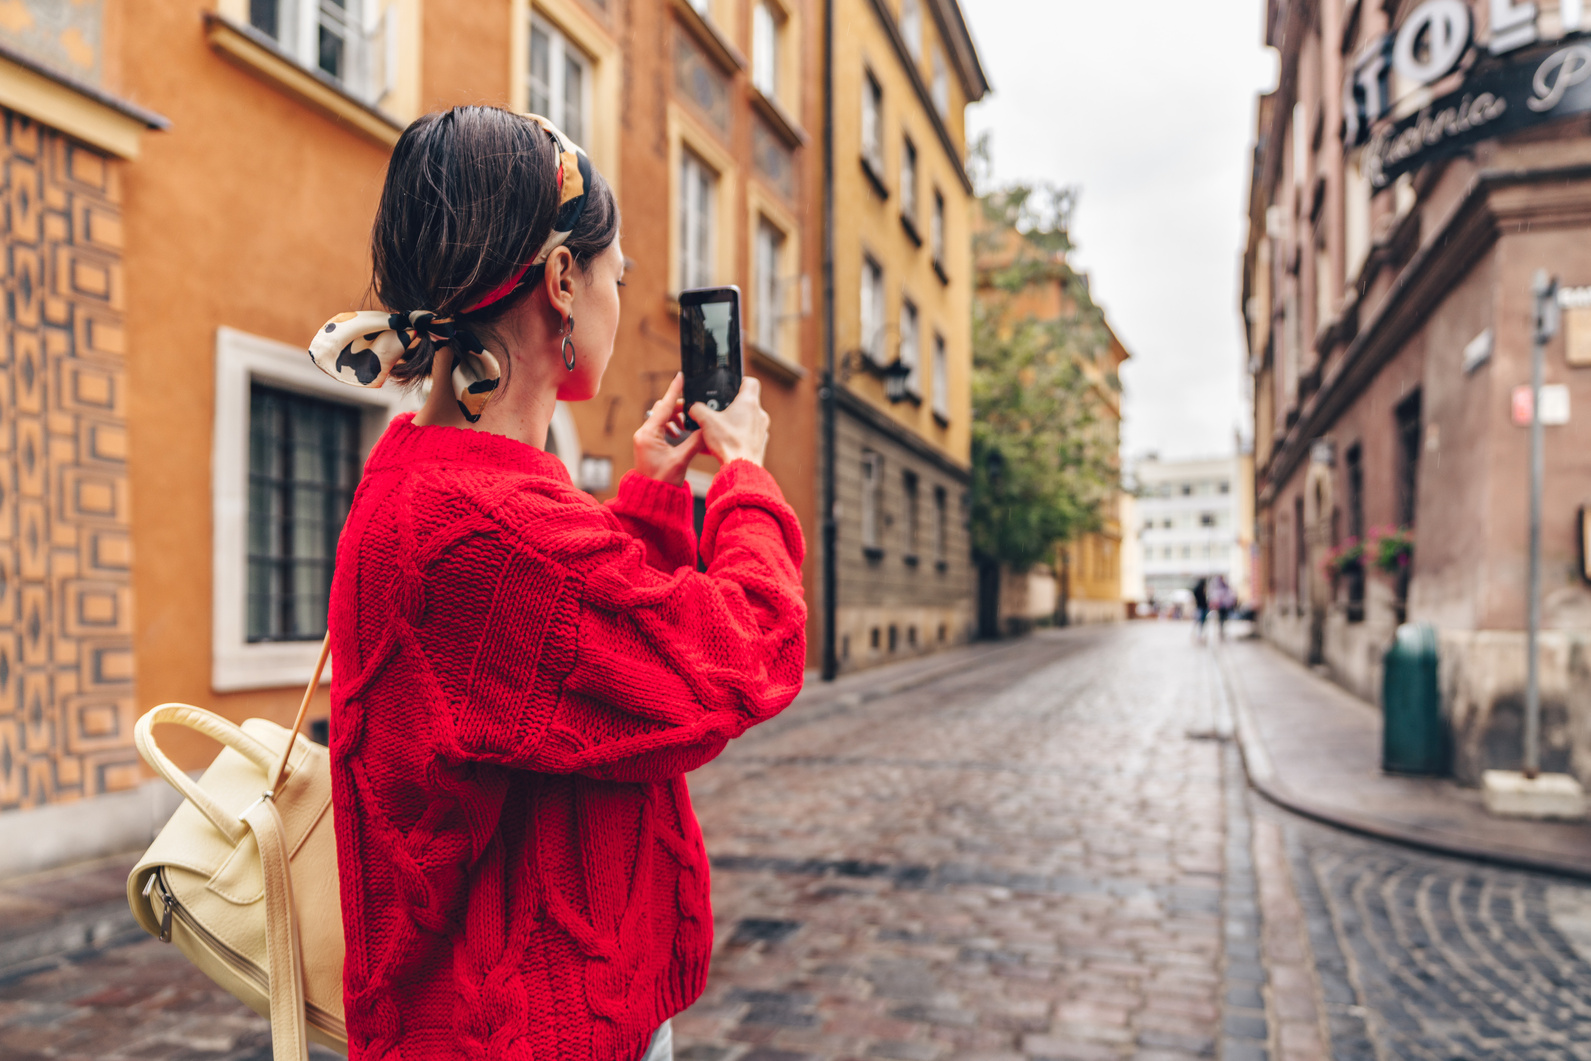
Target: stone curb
(1262, 775)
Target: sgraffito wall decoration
(66, 36)
(66, 653)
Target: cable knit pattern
(523, 677)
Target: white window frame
(368, 29)
(941, 83)
(561, 54)
(873, 123)
(697, 204)
(768, 286)
(908, 181)
(240, 360)
(911, 27)
(941, 380)
(872, 498)
(911, 344)
(871, 316)
(936, 230)
(766, 31)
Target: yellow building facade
(903, 74)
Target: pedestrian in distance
(523, 675)
(1201, 608)
(1222, 601)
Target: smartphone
(709, 346)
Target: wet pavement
(1042, 850)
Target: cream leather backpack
(243, 879)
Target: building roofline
(963, 49)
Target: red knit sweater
(523, 677)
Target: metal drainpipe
(831, 662)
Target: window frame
(560, 47)
(697, 271)
(911, 343)
(241, 359)
(767, 46)
(908, 186)
(872, 131)
(872, 506)
(939, 400)
(368, 34)
(767, 290)
(873, 312)
(911, 28)
(936, 236)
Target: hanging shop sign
(1513, 79)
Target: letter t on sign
(1513, 25)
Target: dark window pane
(265, 16)
(331, 53)
(303, 467)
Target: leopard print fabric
(361, 347)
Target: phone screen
(709, 339)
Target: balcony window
(560, 80)
(698, 194)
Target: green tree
(1044, 459)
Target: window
(560, 80)
(941, 526)
(765, 50)
(908, 184)
(1225, 487)
(872, 497)
(941, 396)
(698, 190)
(766, 285)
(1408, 480)
(703, 8)
(941, 84)
(1207, 519)
(304, 461)
(873, 125)
(1354, 467)
(872, 310)
(909, 485)
(1300, 558)
(1187, 489)
(936, 233)
(346, 40)
(257, 541)
(910, 354)
(911, 27)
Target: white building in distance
(1189, 522)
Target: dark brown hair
(470, 197)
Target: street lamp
(895, 374)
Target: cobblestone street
(1045, 849)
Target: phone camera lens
(712, 403)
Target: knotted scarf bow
(361, 347)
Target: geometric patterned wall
(66, 610)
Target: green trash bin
(1414, 736)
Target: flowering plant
(1345, 557)
(1392, 549)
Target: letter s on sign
(1443, 26)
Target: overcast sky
(1147, 106)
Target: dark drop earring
(569, 345)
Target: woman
(524, 676)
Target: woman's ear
(559, 282)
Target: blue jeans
(662, 1048)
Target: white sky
(1147, 106)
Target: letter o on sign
(1443, 27)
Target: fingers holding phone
(663, 447)
(739, 431)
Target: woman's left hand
(659, 453)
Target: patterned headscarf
(360, 348)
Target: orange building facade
(189, 195)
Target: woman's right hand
(740, 430)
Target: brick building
(1418, 162)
